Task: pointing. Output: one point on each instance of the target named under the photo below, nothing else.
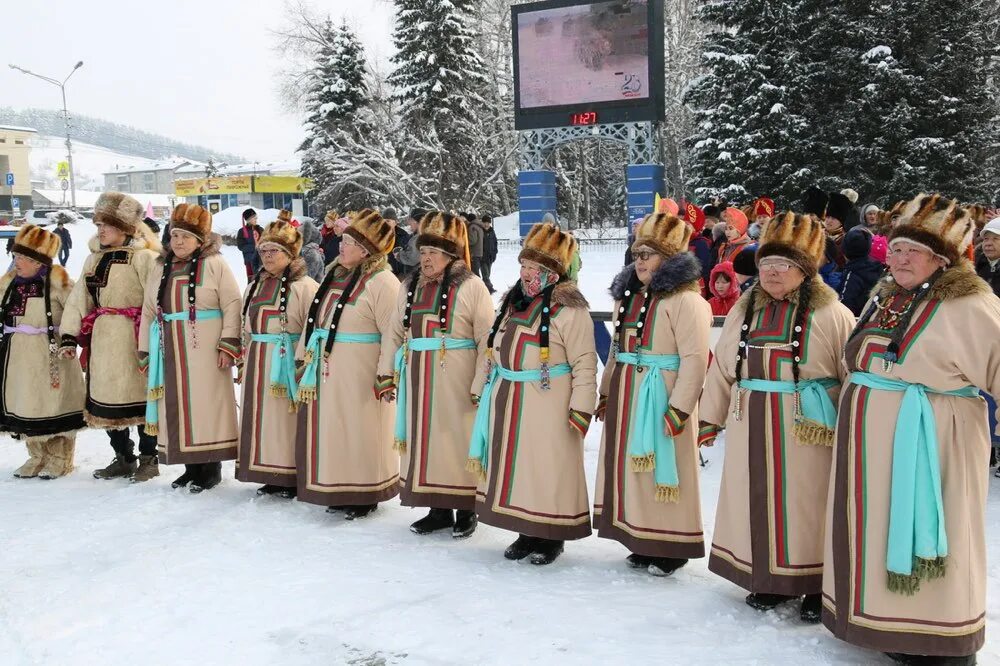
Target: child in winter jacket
(861, 272)
(724, 287)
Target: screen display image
(584, 54)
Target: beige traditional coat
(439, 419)
(268, 422)
(112, 278)
(535, 482)
(675, 320)
(769, 522)
(197, 413)
(345, 438)
(953, 341)
(30, 405)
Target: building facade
(15, 150)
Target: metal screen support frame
(537, 145)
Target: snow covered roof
(15, 128)
(193, 167)
(292, 167)
(172, 164)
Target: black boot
(287, 493)
(336, 509)
(546, 551)
(359, 511)
(435, 520)
(187, 477)
(812, 608)
(664, 566)
(465, 524)
(209, 476)
(923, 660)
(521, 548)
(636, 561)
(268, 489)
(766, 602)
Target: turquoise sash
(650, 447)
(154, 380)
(402, 398)
(283, 382)
(314, 355)
(918, 542)
(817, 411)
(479, 444)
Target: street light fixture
(69, 145)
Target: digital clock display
(586, 118)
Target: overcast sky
(199, 71)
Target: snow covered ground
(102, 572)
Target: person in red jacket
(724, 287)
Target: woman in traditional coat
(647, 495)
(905, 547)
(188, 342)
(537, 393)
(41, 394)
(102, 316)
(773, 386)
(444, 318)
(275, 309)
(345, 438)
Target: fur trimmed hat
(550, 247)
(193, 219)
(939, 224)
(445, 232)
(799, 238)
(815, 201)
(665, 233)
(119, 210)
(36, 243)
(838, 206)
(763, 207)
(283, 235)
(372, 232)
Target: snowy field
(102, 572)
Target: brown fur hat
(799, 238)
(372, 232)
(283, 235)
(447, 233)
(193, 219)
(36, 243)
(664, 233)
(939, 224)
(550, 247)
(119, 210)
(284, 215)
(331, 216)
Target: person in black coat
(861, 273)
(246, 241)
(402, 238)
(988, 268)
(66, 242)
(491, 248)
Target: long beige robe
(953, 341)
(439, 420)
(535, 482)
(268, 423)
(197, 413)
(625, 507)
(344, 448)
(769, 521)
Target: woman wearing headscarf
(537, 393)
(773, 386)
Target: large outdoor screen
(579, 62)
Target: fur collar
(57, 274)
(139, 242)
(460, 273)
(680, 272)
(956, 282)
(820, 296)
(211, 247)
(566, 294)
(297, 272)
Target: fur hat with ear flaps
(664, 233)
(799, 238)
(120, 211)
(372, 233)
(550, 247)
(939, 224)
(193, 219)
(283, 235)
(36, 243)
(445, 232)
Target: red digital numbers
(587, 118)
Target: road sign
(64, 184)
(15, 203)
(10, 179)
(62, 170)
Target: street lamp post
(69, 145)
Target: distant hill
(113, 136)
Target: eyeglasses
(776, 266)
(645, 255)
(268, 253)
(907, 252)
(347, 240)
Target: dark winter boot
(359, 511)
(812, 608)
(434, 521)
(337, 509)
(149, 468)
(185, 478)
(465, 524)
(119, 468)
(664, 566)
(521, 548)
(636, 561)
(287, 493)
(546, 551)
(268, 489)
(922, 660)
(766, 602)
(209, 476)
